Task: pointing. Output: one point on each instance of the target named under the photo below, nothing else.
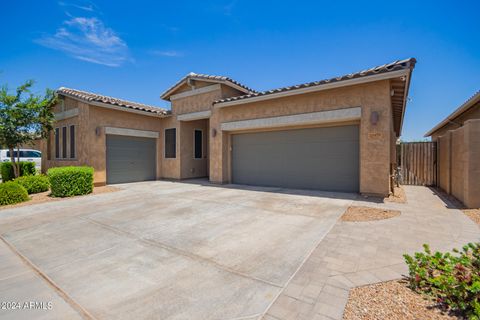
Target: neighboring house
(458, 152)
(467, 111)
(337, 134)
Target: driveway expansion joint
(69, 300)
(180, 252)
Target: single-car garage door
(130, 159)
(316, 158)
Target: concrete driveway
(161, 250)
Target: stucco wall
(458, 158)
(198, 102)
(90, 147)
(81, 145)
(190, 167)
(472, 178)
(444, 152)
(375, 140)
(459, 165)
(170, 167)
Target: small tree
(24, 117)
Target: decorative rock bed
(362, 214)
(391, 300)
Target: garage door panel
(130, 159)
(317, 158)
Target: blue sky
(136, 49)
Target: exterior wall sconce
(98, 131)
(374, 117)
(214, 132)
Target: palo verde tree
(24, 117)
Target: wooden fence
(418, 163)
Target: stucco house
(458, 152)
(337, 134)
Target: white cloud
(167, 53)
(88, 6)
(88, 39)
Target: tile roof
(389, 67)
(471, 102)
(93, 97)
(197, 76)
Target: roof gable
(96, 98)
(205, 78)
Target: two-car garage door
(130, 159)
(324, 158)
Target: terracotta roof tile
(389, 67)
(93, 97)
(197, 76)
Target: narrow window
(72, 142)
(49, 146)
(64, 142)
(171, 143)
(197, 152)
(57, 143)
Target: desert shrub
(6, 170)
(11, 192)
(70, 181)
(453, 280)
(34, 184)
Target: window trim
(165, 143)
(194, 144)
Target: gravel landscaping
(361, 214)
(473, 214)
(43, 197)
(397, 196)
(391, 300)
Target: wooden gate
(418, 163)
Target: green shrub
(453, 280)
(70, 181)
(12, 192)
(34, 184)
(6, 170)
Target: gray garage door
(319, 158)
(130, 159)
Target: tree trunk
(18, 162)
(12, 160)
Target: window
(72, 142)
(64, 142)
(25, 154)
(57, 143)
(171, 143)
(197, 145)
(15, 154)
(31, 154)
